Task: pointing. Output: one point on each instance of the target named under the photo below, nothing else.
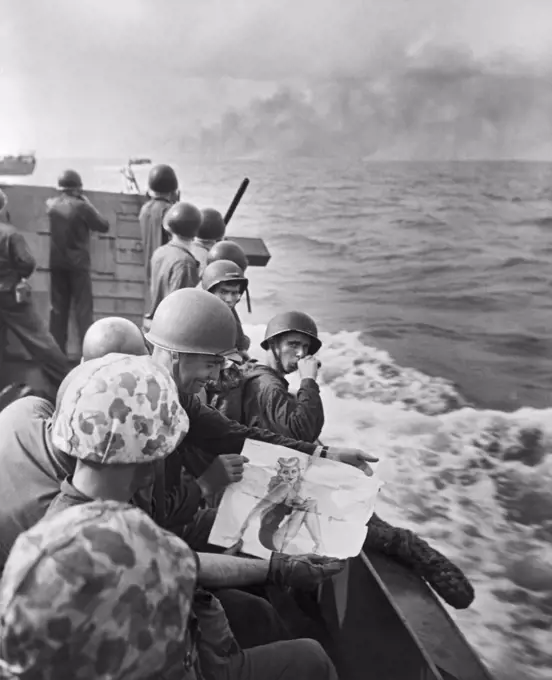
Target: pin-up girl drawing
(283, 511)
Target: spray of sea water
(475, 483)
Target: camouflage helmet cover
(119, 409)
(96, 591)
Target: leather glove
(305, 572)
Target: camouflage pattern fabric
(98, 591)
(119, 409)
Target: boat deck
(387, 624)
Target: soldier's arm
(94, 220)
(22, 258)
(214, 433)
(300, 417)
(228, 571)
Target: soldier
(163, 191)
(291, 342)
(32, 467)
(119, 416)
(97, 591)
(227, 281)
(228, 250)
(72, 217)
(18, 312)
(211, 231)
(172, 265)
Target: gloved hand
(304, 572)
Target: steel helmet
(212, 225)
(228, 250)
(114, 553)
(223, 271)
(70, 179)
(162, 179)
(112, 334)
(119, 409)
(182, 219)
(292, 321)
(192, 321)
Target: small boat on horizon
(22, 165)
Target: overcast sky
(82, 77)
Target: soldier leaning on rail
(17, 310)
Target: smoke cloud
(440, 104)
(393, 79)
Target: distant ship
(23, 164)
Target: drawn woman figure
(283, 511)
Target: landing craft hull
(386, 623)
(17, 166)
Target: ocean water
(432, 286)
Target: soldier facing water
(72, 217)
(163, 192)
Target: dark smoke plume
(439, 105)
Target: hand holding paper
(289, 502)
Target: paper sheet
(292, 503)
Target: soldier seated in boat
(18, 312)
(32, 468)
(172, 265)
(163, 192)
(110, 396)
(128, 625)
(227, 281)
(232, 252)
(72, 217)
(212, 231)
(291, 342)
(259, 394)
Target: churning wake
(475, 483)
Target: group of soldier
(108, 496)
